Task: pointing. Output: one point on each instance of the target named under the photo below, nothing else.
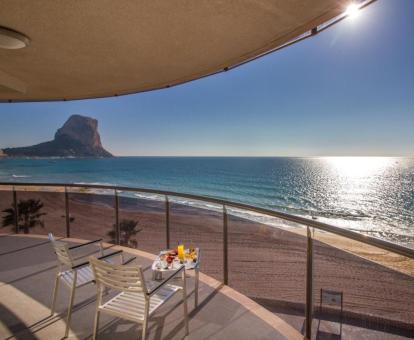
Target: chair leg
(100, 291)
(55, 292)
(185, 304)
(71, 299)
(145, 323)
(96, 325)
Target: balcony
(263, 271)
(27, 276)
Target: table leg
(196, 287)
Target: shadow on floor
(38, 244)
(349, 318)
(320, 335)
(15, 325)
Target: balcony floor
(27, 269)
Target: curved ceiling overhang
(100, 48)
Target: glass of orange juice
(180, 250)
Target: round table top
(175, 264)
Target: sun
(352, 10)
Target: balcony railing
(282, 261)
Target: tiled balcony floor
(27, 269)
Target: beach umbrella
(62, 50)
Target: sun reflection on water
(357, 167)
(358, 189)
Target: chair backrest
(62, 251)
(119, 277)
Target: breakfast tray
(156, 265)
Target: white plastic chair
(72, 274)
(135, 302)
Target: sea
(370, 195)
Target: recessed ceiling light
(12, 40)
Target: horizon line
(262, 156)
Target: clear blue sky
(347, 91)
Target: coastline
(309, 187)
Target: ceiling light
(12, 40)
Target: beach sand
(265, 263)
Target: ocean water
(374, 195)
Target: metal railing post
(67, 214)
(16, 222)
(225, 247)
(117, 227)
(309, 286)
(167, 221)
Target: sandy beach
(266, 263)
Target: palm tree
(28, 215)
(128, 229)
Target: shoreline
(383, 233)
(131, 204)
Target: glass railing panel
(41, 210)
(376, 287)
(267, 262)
(199, 224)
(6, 203)
(91, 213)
(142, 221)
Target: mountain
(78, 137)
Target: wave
(20, 176)
(246, 214)
(337, 219)
(94, 183)
(97, 191)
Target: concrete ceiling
(99, 48)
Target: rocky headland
(78, 137)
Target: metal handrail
(386, 245)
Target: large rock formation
(78, 137)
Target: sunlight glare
(352, 10)
(354, 167)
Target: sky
(348, 91)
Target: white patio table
(160, 268)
